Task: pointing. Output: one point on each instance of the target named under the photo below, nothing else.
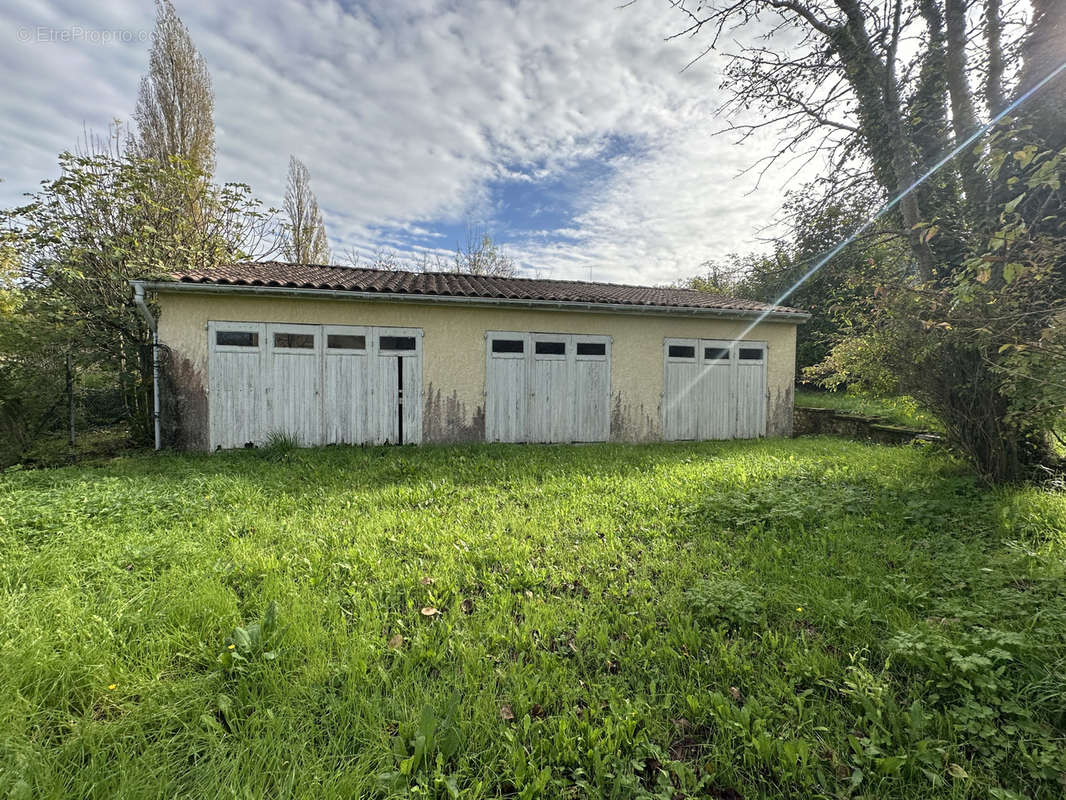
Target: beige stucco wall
(453, 372)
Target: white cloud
(660, 216)
(405, 112)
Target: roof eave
(796, 317)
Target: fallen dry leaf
(506, 713)
(467, 606)
(396, 642)
(429, 611)
(427, 581)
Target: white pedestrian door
(396, 401)
(713, 389)
(592, 389)
(321, 384)
(718, 398)
(551, 396)
(681, 393)
(547, 387)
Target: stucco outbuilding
(345, 355)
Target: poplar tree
(305, 233)
(175, 105)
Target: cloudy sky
(565, 127)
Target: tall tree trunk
(1043, 51)
(123, 389)
(70, 399)
(963, 116)
(995, 95)
(875, 85)
(910, 210)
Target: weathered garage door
(547, 387)
(750, 358)
(345, 413)
(293, 381)
(714, 389)
(322, 384)
(507, 387)
(236, 383)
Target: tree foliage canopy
(109, 217)
(881, 92)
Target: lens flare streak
(865, 226)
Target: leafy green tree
(721, 277)
(32, 375)
(883, 91)
(836, 294)
(111, 217)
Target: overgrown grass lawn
(729, 620)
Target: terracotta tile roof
(453, 284)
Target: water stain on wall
(631, 423)
(445, 419)
(779, 418)
(184, 404)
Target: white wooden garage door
(714, 389)
(547, 387)
(323, 384)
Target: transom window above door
(237, 338)
(682, 351)
(396, 343)
(550, 348)
(342, 341)
(508, 346)
(294, 341)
